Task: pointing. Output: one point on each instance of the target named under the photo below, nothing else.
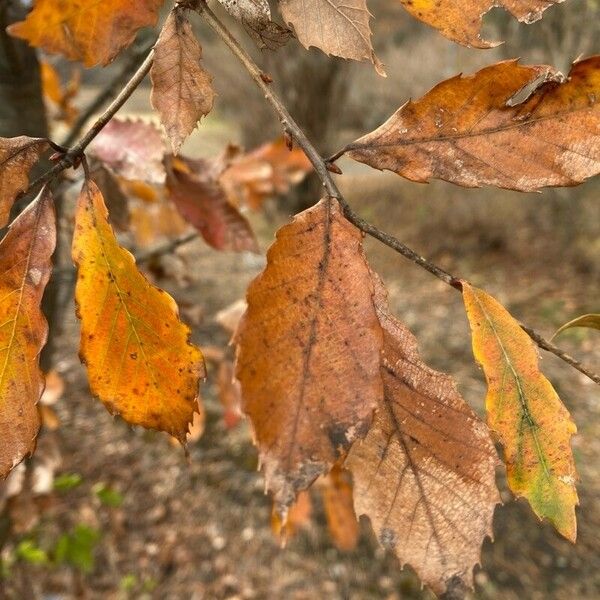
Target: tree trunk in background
(22, 112)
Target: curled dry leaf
(339, 509)
(25, 266)
(132, 149)
(308, 350)
(469, 131)
(139, 360)
(195, 190)
(90, 31)
(461, 20)
(592, 321)
(425, 472)
(182, 91)
(17, 156)
(337, 27)
(525, 412)
(255, 15)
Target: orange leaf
(229, 394)
(339, 509)
(25, 267)
(182, 90)
(460, 20)
(470, 131)
(526, 413)
(195, 190)
(59, 95)
(92, 31)
(139, 359)
(298, 516)
(17, 156)
(308, 350)
(425, 473)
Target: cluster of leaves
(332, 383)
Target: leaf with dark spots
(308, 350)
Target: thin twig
(108, 92)
(73, 156)
(320, 165)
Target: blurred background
(104, 511)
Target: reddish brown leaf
(132, 149)
(17, 156)
(308, 350)
(201, 201)
(269, 170)
(424, 474)
(182, 91)
(470, 131)
(91, 31)
(25, 266)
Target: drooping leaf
(337, 27)
(339, 509)
(308, 350)
(298, 517)
(425, 472)
(90, 31)
(461, 20)
(132, 149)
(25, 266)
(269, 170)
(592, 321)
(195, 190)
(17, 156)
(182, 91)
(139, 360)
(255, 15)
(525, 412)
(470, 131)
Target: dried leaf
(339, 509)
(25, 266)
(114, 195)
(469, 131)
(425, 473)
(255, 15)
(59, 95)
(308, 350)
(269, 170)
(182, 91)
(230, 394)
(461, 20)
(337, 27)
(592, 321)
(132, 149)
(17, 156)
(201, 201)
(54, 388)
(139, 359)
(525, 412)
(90, 31)
(229, 317)
(298, 517)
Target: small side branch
(292, 129)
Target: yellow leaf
(525, 412)
(25, 268)
(139, 359)
(92, 31)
